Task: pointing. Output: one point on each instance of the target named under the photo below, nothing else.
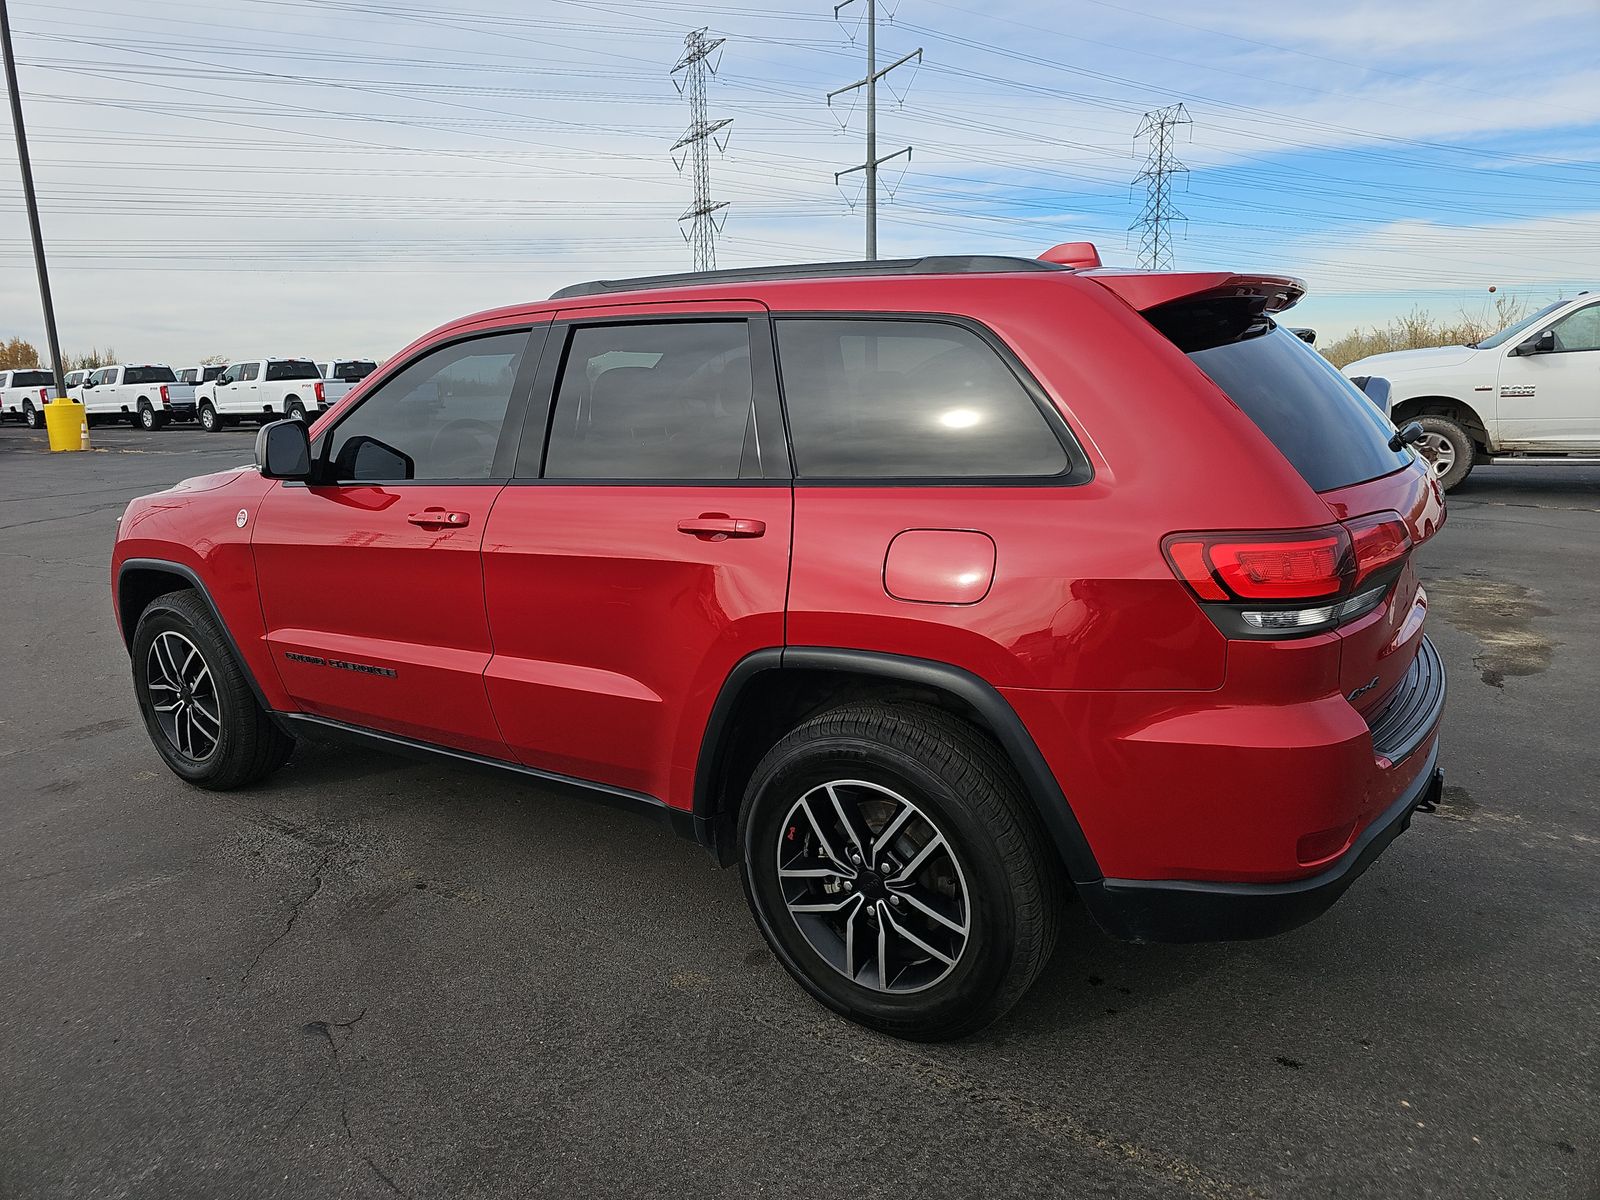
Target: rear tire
(32, 416)
(1452, 446)
(217, 736)
(209, 420)
(295, 411)
(932, 955)
(149, 419)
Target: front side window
(1580, 330)
(439, 418)
(895, 398)
(671, 400)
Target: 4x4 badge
(1364, 688)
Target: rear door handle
(716, 527)
(436, 518)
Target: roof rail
(936, 264)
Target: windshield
(149, 375)
(1512, 331)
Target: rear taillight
(1380, 540)
(43, 394)
(319, 391)
(1300, 565)
(165, 399)
(1279, 583)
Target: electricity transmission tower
(696, 65)
(870, 82)
(1160, 165)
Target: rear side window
(672, 400)
(1327, 429)
(888, 398)
(150, 375)
(292, 370)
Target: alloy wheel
(183, 695)
(1441, 452)
(874, 886)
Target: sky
(333, 178)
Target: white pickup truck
(24, 394)
(149, 395)
(1533, 388)
(266, 389)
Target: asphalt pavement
(369, 977)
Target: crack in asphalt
(325, 1031)
(294, 915)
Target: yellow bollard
(67, 424)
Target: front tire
(198, 708)
(897, 871)
(1451, 448)
(209, 420)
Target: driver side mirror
(1544, 343)
(283, 450)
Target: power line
(696, 143)
(1155, 240)
(870, 82)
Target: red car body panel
(574, 629)
(614, 631)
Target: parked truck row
(153, 394)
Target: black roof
(937, 264)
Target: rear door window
(653, 401)
(1327, 429)
(893, 398)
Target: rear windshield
(1327, 429)
(292, 370)
(210, 373)
(32, 379)
(149, 375)
(354, 371)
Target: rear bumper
(1139, 910)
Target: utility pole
(1155, 240)
(870, 82)
(30, 199)
(696, 142)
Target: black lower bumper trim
(1139, 910)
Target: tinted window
(210, 373)
(292, 369)
(150, 375)
(354, 371)
(909, 399)
(1580, 331)
(438, 418)
(1320, 422)
(104, 375)
(667, 401)
(32, 379)
(189, 375)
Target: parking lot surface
(367, 977)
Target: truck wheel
(294, 410)
(209, 421)
(198, 708)
(31, 415)
(148, 417)
(897, 871)
(1449, 448)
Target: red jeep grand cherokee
(926, 591)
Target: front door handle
(439, 518)
(717, 527)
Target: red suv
(926, 591)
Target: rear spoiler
(1145, 290)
